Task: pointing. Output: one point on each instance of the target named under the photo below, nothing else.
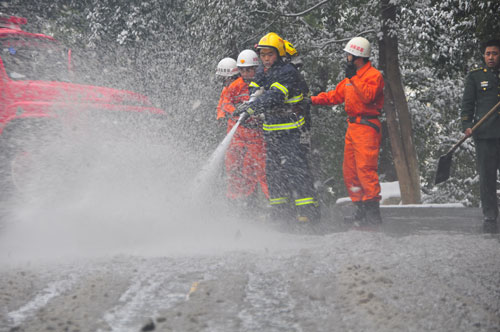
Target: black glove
(243, 111)
(307, 101)
(240, 109)
(243, 117)
(350, 70)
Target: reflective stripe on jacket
(284, 126)
(282, 90)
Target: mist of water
(204, 181)
(94, 196)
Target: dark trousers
(291, 188)
(488, 164)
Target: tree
(169, 51)
(396, 110)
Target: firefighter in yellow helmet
(289, 178)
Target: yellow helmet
(290, 50)
(272, 40)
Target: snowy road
(241, 276)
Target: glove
(243, 117)
(243, 109)
(350, 70)
(307, 101)
(257, 93)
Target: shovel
(444, 164)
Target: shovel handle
(480, 122)
(457, 144)
(486, 116)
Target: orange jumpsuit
(363, 95)
(246, 155)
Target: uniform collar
(275, 66)
(364, 69)
(493, 70)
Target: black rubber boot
(372, 209)
(359, 213)
(283, 213)
(309, 214)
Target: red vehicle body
(35, 89)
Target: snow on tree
(169, 50)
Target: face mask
(350, 69)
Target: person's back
(304, 107)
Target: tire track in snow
(53, 289)
(142, 300)
(270, 305)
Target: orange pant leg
(351, 180)
(234, 166)
(245, 168)
(361, 162)
(256, 161)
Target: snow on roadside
(391, 195)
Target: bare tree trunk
(397, 113)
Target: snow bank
(391, 196)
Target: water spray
(206, 177)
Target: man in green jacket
(481, 93)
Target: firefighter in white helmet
(245, 157)
(363, 93)
(227, 68)
(228, 72)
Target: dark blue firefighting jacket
(280, 101)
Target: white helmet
(247, 58)
(358, 46)
(227, 68)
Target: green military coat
(481, 93)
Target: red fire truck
(38, 102)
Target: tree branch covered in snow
(170, 49)
(305, 11)
(342, 40)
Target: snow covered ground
(127, 255)
(230, 275)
